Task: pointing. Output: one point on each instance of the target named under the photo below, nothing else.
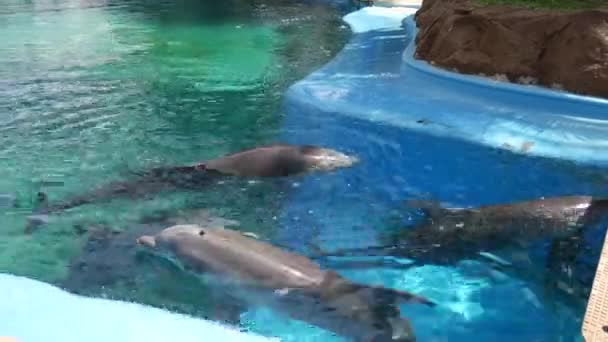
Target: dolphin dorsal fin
(333, 283)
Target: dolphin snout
(328, 159)
(147, 241)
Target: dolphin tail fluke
(384, 292)
(334, 284)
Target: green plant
(556, 4)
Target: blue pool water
(174, 85)
(423, 133)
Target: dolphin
(280, 160)
(287, 282)
(444, 235)
(460, 231)
(275, 160)
(109, 258)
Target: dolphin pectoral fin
(495, 259)
(370, 251)
(147, 241)
(350, 263)
(251, 235)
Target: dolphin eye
(201, 232)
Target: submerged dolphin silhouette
(277, 160)
(462, 231)
(287, 282)
(448, 234)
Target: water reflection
(93, 90)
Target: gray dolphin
(462, 230)
(287, 282)
(491, 227)
(276, 160)
(448, 234)
(280, 160)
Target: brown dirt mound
(555, 48)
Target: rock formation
(558, 49)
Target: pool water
(91, 91)
(366, 103)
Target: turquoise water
(91, 91)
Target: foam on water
(376, 18)
(34, 311)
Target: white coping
(378, 18)
(34, 311)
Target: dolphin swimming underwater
(448, 234)
(461, 231)
(276, 160)
(287, 282)
(445, 236)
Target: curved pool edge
(28, 302)
(529, 90)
